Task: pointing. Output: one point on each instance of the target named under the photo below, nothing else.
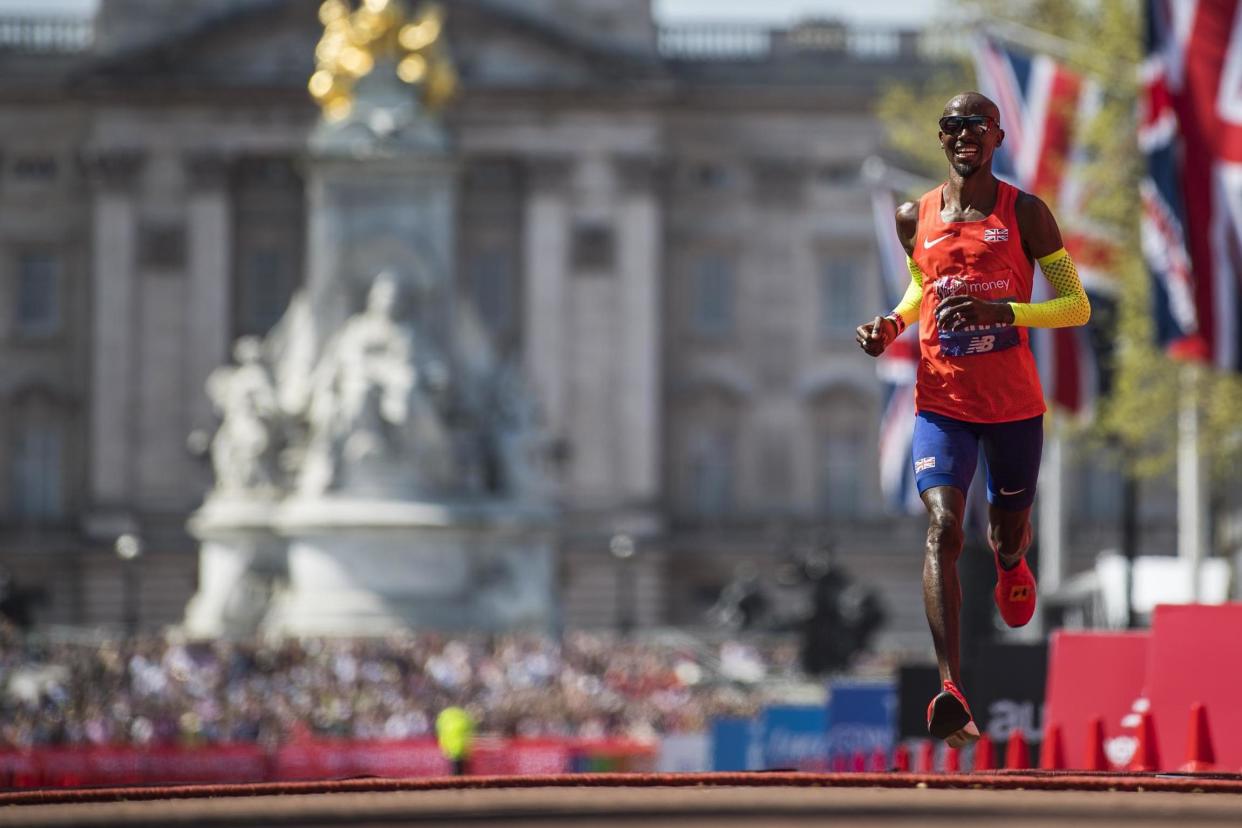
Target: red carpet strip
(996, 780)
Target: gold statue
(355, 39)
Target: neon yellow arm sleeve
(908, 308)
(1070, 307)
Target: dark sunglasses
(952, 124)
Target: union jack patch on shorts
(996, 234)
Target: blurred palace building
(667, 226)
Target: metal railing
(46, 34)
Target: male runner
(971, 244)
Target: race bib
(978, 339)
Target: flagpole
(1191, 502)
(1052, 508)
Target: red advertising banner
(1196, 658)
(1090, 675)
(308, 760)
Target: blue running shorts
(946, 450)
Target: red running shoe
(949, 717)
(1015, 588)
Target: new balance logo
(981, 344)
(1020, 592)
(996, 234)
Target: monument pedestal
(241, 564)
(360, 568)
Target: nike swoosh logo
(929, 243)
(1014, 492)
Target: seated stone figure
(374, 427)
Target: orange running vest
(985, 374)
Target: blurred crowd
(166, 691)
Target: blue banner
(795, 737)
(732, 745)
(862, 717)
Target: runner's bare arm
(874, 336)
(1041, 238)
(1037, 226)
(908, 225)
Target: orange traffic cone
(901, 759)
(927, 757)
(1096, 760)
(1017, 752)
(1200, 756)
(1146, 752)
(1051, 751)
(985, 754)
(952, 760)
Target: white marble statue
(241, 451)
(372, 414)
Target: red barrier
(1196, 656)
(501, 757)
(309, 760)
(1090, 675)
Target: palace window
(265, 290)
(840, 295)
(593, 248)
(713, 296)
(493, 289)
(37, 301)
(843, 460)
(161, 245)
(710, 473)
(36, 473)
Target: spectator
(169, 691)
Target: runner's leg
(1013, 452)
(942, 589)
(945, 453)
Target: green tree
(1139, 415)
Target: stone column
(113, 175)
(546, 252)
(639, 264)
(209, 257)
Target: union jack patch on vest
(996, 234)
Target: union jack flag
(896, 367)
(1043, 106)
(1190, 129)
